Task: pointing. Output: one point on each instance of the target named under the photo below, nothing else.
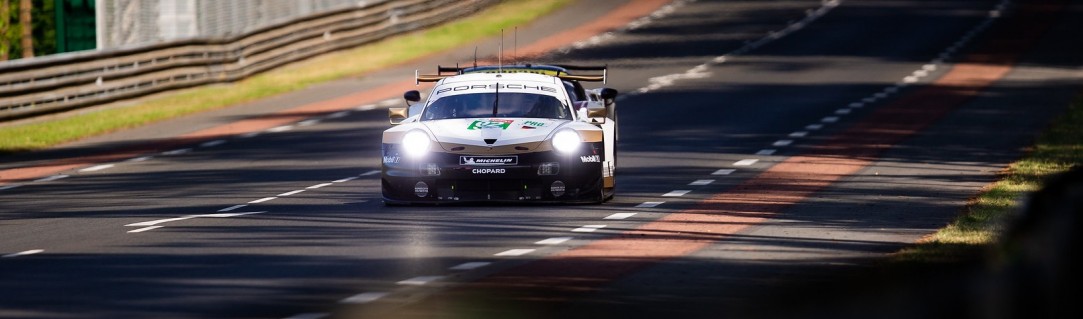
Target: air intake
(490, 141)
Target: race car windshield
(487, 105)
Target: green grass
(988, 215)
(353, 62)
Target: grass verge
(352, 62)
(987, 216)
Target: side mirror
(397, 114)
(412, 96)
(596, 114)
(608, 95)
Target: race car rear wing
(560, 71)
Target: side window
(570, 88)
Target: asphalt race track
(763, 145)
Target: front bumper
(536, 177)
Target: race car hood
(493, 132)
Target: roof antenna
(515, 46)
(475, 56)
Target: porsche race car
(515, 133)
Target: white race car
(518, 133)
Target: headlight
(566, 141)
(415, 143)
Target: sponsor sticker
(490, 123)
(488, 171)
(590, 159)
(391, 159)
(488, 160)
(532, 125)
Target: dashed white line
(319, 185)
(620, 216)
(470, 265)
(843, 111)
(724, 171)
(389, 102)
(814, 127)
(139, 159)
(232, 207)
(766, 152)
(177, 151)
(24, 253)
(677, 193)
(857, 105)
(369, 173)
(308, 122)
(701, 182)
(745, 162)
(159, 221)
(514, 252)
(263, 200)
(250, 134)
(144, 229)
(830, 119)
(366, 107)
(364, 298)
(291, 193)
(51, 178)
(782, 143)
(6, 187)
(649, 204)
(344, 180)
(280, 129)
(420, 280)
(213, 143)
(553, 241)
(97, 168)
(799, 134)
(338, 114)
(588, 228)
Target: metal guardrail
(68, 81)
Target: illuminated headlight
(566, 141)
(415, 144)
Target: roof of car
(499, 77)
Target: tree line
(27, 28)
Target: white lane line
(881, 95)
(250, 134)
(869, 99)
(338, 114)
(51, 178)
(676, 193)
(620, 216)
(213, 143)
(857, 105)
(24, 253)
(314, 315)
(782, 143)
(389, 102)
(842, 111)
(470, 265)
(745, 162)
(766, 152)
(344, 180)
(366, 107)
(139, 159)
(420, 280)
(364, 297)
(6, 187)
(160, 221)
(649, 204)
(232, 207)
(369, 173)
(830, 119)
(588, 228)
(724, 171)
(814, 127)
(144, 229)
(308, 122)
(177, 152)
(799, 134)
(318, 186)
(280, 129)
(97, 168)
(553, 241)
(701, 182)
(514, 252)
(290, 193)
(263, 200)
